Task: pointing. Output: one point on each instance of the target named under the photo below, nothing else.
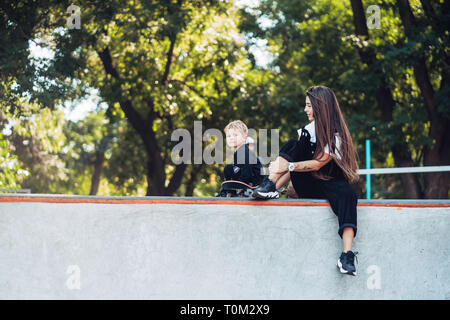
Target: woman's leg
(282, 180)
(343, 201)
(268, 188)
(276, 176)
(289, 152)
(293, 151)
(347, 239)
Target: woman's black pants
(339, 193)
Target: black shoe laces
(353, 257)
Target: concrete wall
(218, 251)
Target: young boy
(246, 167)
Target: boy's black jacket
(246, 167)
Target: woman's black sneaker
(346, 263)
(266, 190)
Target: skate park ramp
(86, 247)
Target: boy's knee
(228, 171)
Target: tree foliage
(161, 65)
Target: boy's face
(235, 138)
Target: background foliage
(161, 65)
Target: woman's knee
(288, 150)
(351, 194)
(347, 191)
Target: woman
(318, 170)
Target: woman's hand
(280, 165)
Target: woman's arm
(312, 165)
(280, 165)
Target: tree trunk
(190, 186)
(386, 103)
(436, 183)
(156, 177)
(98, 169)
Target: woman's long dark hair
(329, 121)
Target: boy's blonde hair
(238, 125)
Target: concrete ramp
(80, 247)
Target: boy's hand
(280, 165)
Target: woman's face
(308, 109)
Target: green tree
(327, 42)
(36, 138)
(10, 167)
(86, 153)
(22, 24)
(164, 65)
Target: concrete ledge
(176, 250)
(61, 198)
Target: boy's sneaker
(346, 263)
(222, 193)
(266, 190)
